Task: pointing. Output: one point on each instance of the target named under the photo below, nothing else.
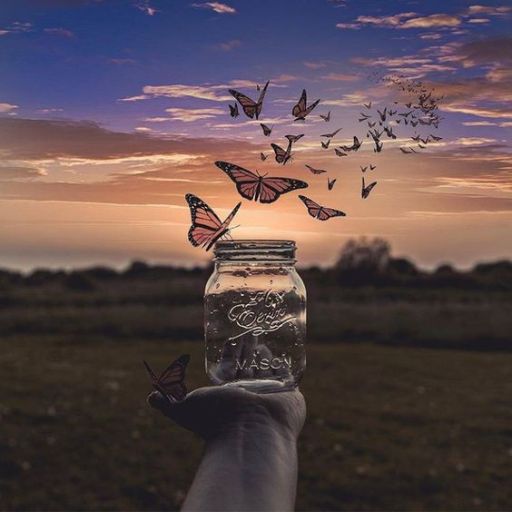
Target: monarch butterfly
(294, 138)
(327, 117)
(339, 153)
(171, 382)
(263, 157)
(206, 227)
(332, 134)
(301, 110)
(330, 183)
(282, 156)
(325, 145)
(320, 212)
(315, 171)
(266, 130)
(365, 190)
(250, 107)
(259, 188)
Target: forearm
(252, 466)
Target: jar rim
(255, 250)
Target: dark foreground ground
(388, 428)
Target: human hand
(216, 410)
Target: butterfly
(171, 383)
(365, 191)
(339, 153)
(206, 227)
(320, 212)
(300, 110)
(259, 188)
(371, 125)
(330, 183)
(315, 171)
(263, 157)
(233, 110)
(326, 118)
(372, 167)
(294, 138)
(266, 130)
(378, 146)
(250, 107)
(282, 156)
(363, 169)
(368, 105)
(325, 145)
(355, 146)
(332, 134)
(389, 132)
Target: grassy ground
(388, 428)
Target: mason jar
(255, 316)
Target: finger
(159, 402)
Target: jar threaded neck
(265, 251)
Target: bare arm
(250, 458)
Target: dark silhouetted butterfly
(365, 191)
(263, 157)
(320, 212)
(315, 171)
(339, 153)
(372, 167)
(301, 110)
(250, 107)
(325, 145)
(266, 130)
(378, 146)
(363, 169)
(294, 138)
(171, 383)
(206, 227)
(326, 118)
(233, 110)
(259, 188)
(331, 135)
(368, 105)
(330, 183)
(355, 146)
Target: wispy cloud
(143, 5)
(227, 46)
(340, 77)
(218, 7)
(16, 27)
(59, 31)
(7, 107)
(188, 115)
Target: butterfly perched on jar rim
(250, 107)
(206, 226)
(301, 110)
(171, 383)
(255, 187)
(320, 212)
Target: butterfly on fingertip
(171, 383)
(206, 226)
(320, 212)
(365, 190)
(255, 187)
(250, 107)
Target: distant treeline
(361, 263)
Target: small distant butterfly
(233, 110)
(332, 134)
(259, 188)
(330, 183)
(365, 190)
(368, 105)
(250, 107)
(266, 130)
(339, 153)
(315, 171)
(325, 145)
(326, 118)
(378, 147)
(320, 212)
(301, 110)
(171, 383)
(263, 157)
(372, 167)
(364, 169)
(294, 138)
(206, 227)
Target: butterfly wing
(328, 213)
(280, 153)
(273, 188)
(171, 382)
(301, 104)
(151, 373)
(313, 207)
(330, 183)
(205, 223)
(249, 106)
(247, 183)
(310, 108)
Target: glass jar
(255, 316)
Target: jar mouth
(255, 250)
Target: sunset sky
(112, 110)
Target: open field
(388, 428)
